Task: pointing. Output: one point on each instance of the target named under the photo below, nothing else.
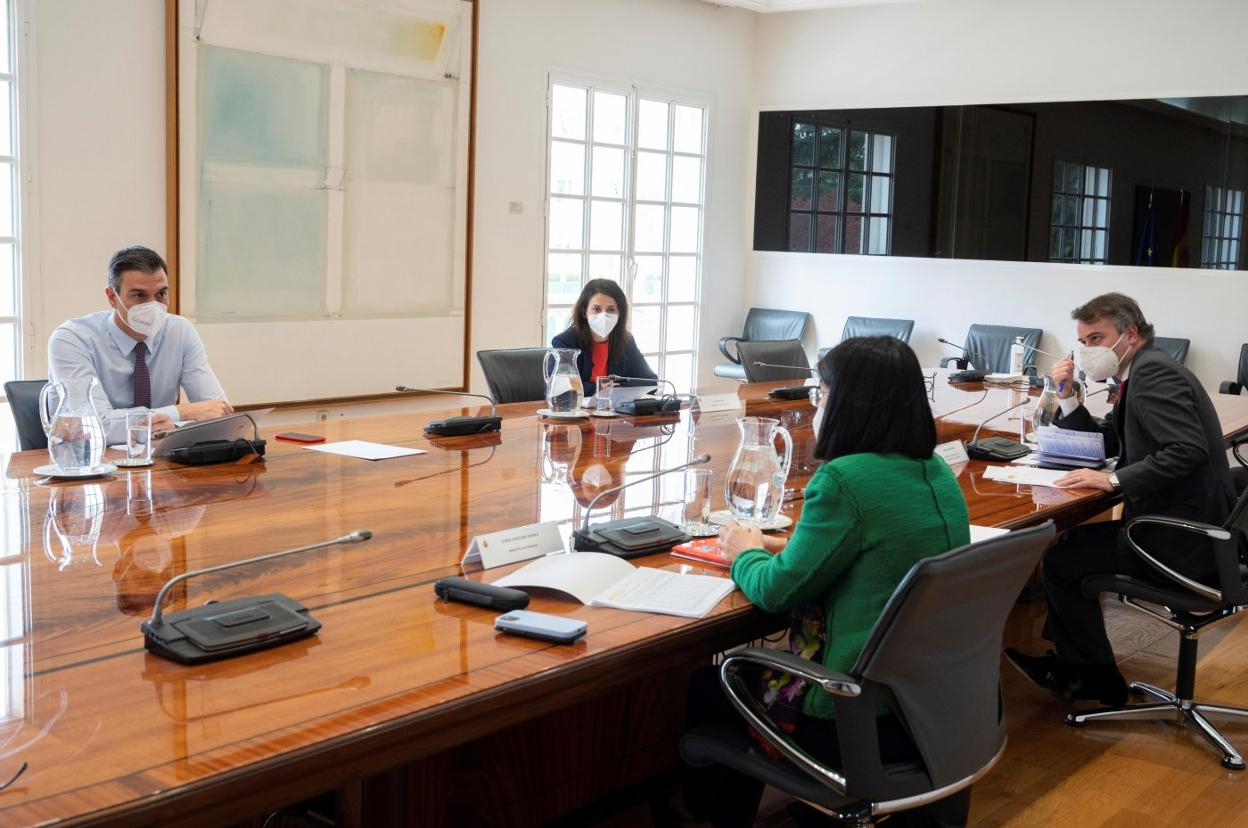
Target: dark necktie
(142, 379)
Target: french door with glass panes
(625, 185)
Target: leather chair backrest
(770, 323)
(877, 326)
(23, 397)
(1241, 375)
(989, 346)
(514, 374)
(777, 352)
(1176, 348)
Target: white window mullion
(334, 183)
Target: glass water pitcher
(754, 487)
(564, 390)
(75, 431)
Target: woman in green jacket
(880, 502)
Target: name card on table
(953, 452)
(720, 402)
(511, 545)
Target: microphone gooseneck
(357, 536)
(697, 461)
(758, 364)
(490, 400)
(1024, 401)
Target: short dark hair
(1117, 308)
(580, 317)
(876, 401)
(135, 257)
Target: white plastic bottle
(1017, 351)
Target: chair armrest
(1235, 447)
(756, 715)
(961, 363)
(1232, 388)
(723, 347)
(1216, 533)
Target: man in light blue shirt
(139, 352)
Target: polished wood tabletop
(112, 734)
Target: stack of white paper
(601, 580)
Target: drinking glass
(138, 439)
(602, 397)
(696, 519)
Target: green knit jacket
(867, 518)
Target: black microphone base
(971, 375)
(790, 392)
(457, 426)
(669, 405)
(630, 537)
(228, 628)
(996, 448)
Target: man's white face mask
(146, 319)
(1099, 362)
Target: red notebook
(702, 550)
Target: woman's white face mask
(602, 323)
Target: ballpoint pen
(1061, 386)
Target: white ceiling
(800, 5)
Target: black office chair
(761, 324)
(23, 397)
(877, 326)
(514, 374)
(936, 650)
(1187, 606)
(1241, 374)
(988, 348)
(778, 352)
(1176, 348)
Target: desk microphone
(997, 448)
(662, 405)
(787, 392)
(234, 627)
(974, 375)
(633, 536)
(456, 426)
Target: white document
(1023, 475)
(602, 580)
(511, 545)
(983, 533)
(365, 450)
(720, 402)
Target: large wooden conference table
(410, 710)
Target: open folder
(600, 580)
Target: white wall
(95, 119)
(683, 44)
(999, 51)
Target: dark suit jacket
(630, 363)
(1171, 455)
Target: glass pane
(557, 319)
(602, 266)
(609, 117)
(1098, 245)
(258, 109)
(608, 176)
(651, 176)
(853, 234)
(567, 112)
(1072, 210)
(6, 200)
(6, 116)
(877, 236)
(882, 153)
(826, 229)
(857, 150)
(829, 191)
(567, 168)
(1226, 225)
(854, 198)
(606, 225)
(563, 277)
(830, 147)
(8, 281)
(8, 352)
(680, 328)
(1085, 245)
(1089, 211)
(1102, 217)
(804, 144)
(684, 236)
(688, 129)
(803, 182)
(682, 279)
(1056, 217)
(6, 60)
(1073, 173)
(686, 179)
(652, 125)
(881, 201)
(799, 232)
(1102, 182)
(1068, 244)
(645, 326)
(1089, 180)
(566, 220)
(1059, 176)
(648, 229)
(1055, 243)
(1237, 201)
(648, 284)
(678, 370)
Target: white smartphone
(542, 626)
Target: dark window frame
(1078, 231)
(1214, 246)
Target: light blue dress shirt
(95, 345)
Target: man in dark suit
(1171, 461)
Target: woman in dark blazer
(600, 330)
